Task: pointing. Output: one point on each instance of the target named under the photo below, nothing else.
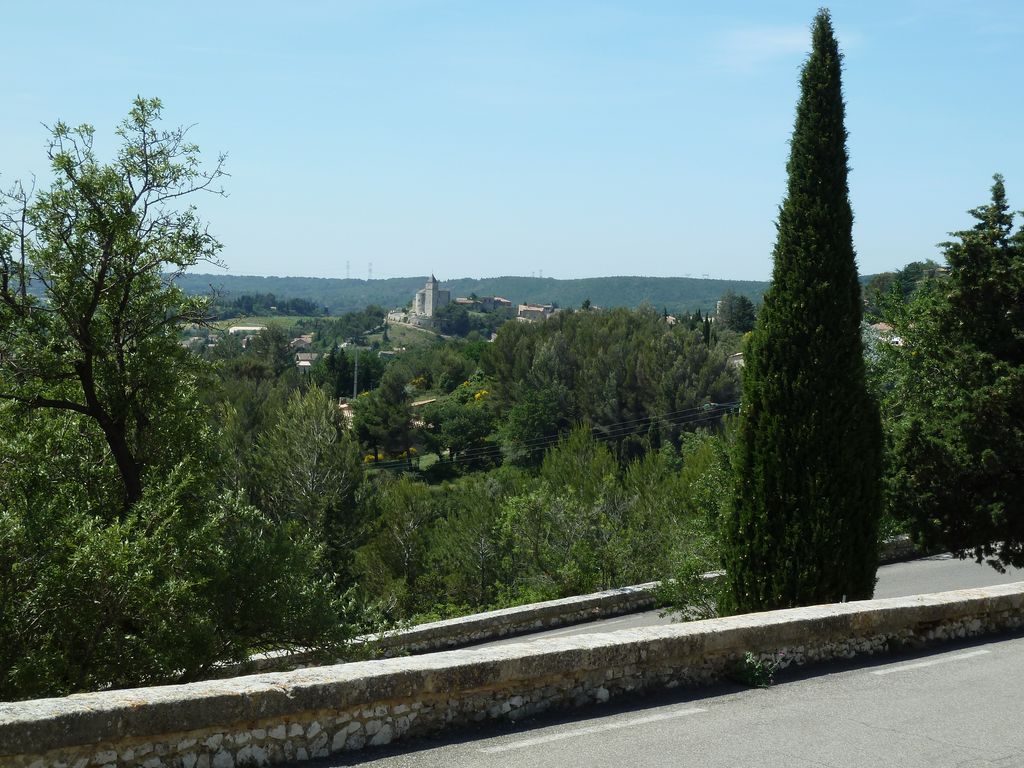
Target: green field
(404, 336)
(284, 321)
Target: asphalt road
(959, 706)
(938, 573)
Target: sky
(557, 138)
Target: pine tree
(956, 395)
(803, 527)
(986, 264)
(736, 312)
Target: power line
(604, 432)
(643, 420)
(494, 451)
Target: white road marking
(522, 743)
(932, 663)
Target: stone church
(429, 299)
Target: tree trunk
(127, 466)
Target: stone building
(530, 313)
(429, 299)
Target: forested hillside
(676, 294)
(174, 497)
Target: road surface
(957, 706)
(938, 573)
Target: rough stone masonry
(293, 716)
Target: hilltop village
(432, 298)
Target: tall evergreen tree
(956, 395)
(804, 522)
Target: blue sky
(473, 138)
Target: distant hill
(673, 293)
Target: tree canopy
(127, 557)
(630, 374)
(102, 339)
(955, 395)
(736, 312)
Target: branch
(46, 402)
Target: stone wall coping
(520, 619)
(897, 548)
(92, 718)
(477, 627)
(520, 615)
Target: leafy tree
(588, 524)
(272, 348)
(579, 465)
(102, 339)
(451, 369)
(955, 395)
(124, 562)
(558, 543)
(442, 366)
(630, 373)
(704, 490)
(902, 283)
(188, 577)
(389, 564)
(473, 349)
(382, 417)
(804, 525)
(532, 422)
(371, 370)
(736, 312)
(875, 291)
(452, 426)
(466, 550)
(452, 319)
(334, 372)
(308, 469)
(246, 399)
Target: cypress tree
(804, 520)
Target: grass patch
(283, 321)
(404, 336)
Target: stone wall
(897, 549)
(278, 717)
(480, 627)
(519, 620)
